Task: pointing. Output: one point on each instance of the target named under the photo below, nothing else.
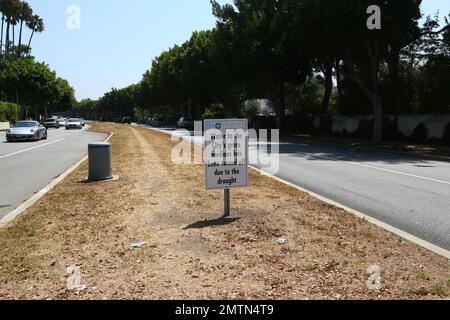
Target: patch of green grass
(438, 290)
(422, 275)
(330, 266)
(312, 266)
(418, 292)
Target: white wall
(406, 124)
(4, 126)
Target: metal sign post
(226, 203)
(226, 156)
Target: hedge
(8, 112)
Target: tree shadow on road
(211, 223)
(4, 206)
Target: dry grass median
(188, 253)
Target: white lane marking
(427, 245)
(19, 210)
(29, 149)
(349, 162)
(375, 168)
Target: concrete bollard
(100, 161)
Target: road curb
(24, 206)
(405, 235)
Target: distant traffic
(29, 130)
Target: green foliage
(214, 111)
(434, 81)
(288, 51)
(251, 108)
(438, 290)
(8, 112)
(35, 85)
(17, 14)
(422, 275)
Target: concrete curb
(24, 206)
(407, 236)
(378, 223)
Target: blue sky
(118, 39)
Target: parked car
(185, 123)
(26, 131)
(62, 122)
(155, 122)
(74, 123)
(126, 120)
(51, 123)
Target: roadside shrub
(8, 112)
(419, 134)
(390, 129)
(446, 135)
(365, 129)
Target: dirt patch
(188, 252)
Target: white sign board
(226, 154)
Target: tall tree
(264, 46)
(2, 10)
(364, 50)
(26, 15)
(36, 24)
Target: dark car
(126, 120)
(185, 123)
(51, 123)
(156, 122)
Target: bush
(8, 112)
(390, 130)
(365, 129)
(446, 135)
(420, 134)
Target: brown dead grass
(191, 255)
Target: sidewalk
(279, 243)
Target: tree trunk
(280, 107)
(377, 117)
(328, 72)
(339, 82)
(29, 42)
(20, 38)
(1, 41)
(394, 66)
(7, 38)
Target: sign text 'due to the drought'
(226, 154)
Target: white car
(26, 131)
(62, 122)
(73, 123)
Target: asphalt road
(27, 167)
(407, 192)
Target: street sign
(226, 156)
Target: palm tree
(2, 10)
(36, 24)
(25, 16)
(8, 10)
